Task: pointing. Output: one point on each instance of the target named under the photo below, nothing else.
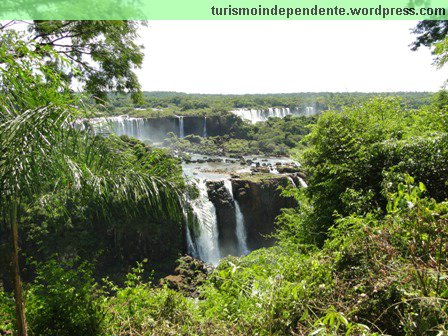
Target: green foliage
(6, 313)
(382, 276)
(335, 323)
(137, 308)
(375, 275)
(170, 104)
(276, 137)
(63, 181)
(100, 54)
(62, 300)
(350, 152)
(381, 265)
(112, 233)
(429, 33)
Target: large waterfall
(204, 242)
(292, 182)
(191, 247)
(241, 235)
(146, 129)
(310, 110)
(302, 182)
(207, 244)
(154, 130)
(255, 116)
(204, 131)
(181, 127)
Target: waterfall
(120, 125)
(302, 182)
(273, 170)
(292, 182)
(277, 113)
(240, 225)
(191, 248)
(310, 110)
(241, 234)
(205, 212)
(117, 124)
(262, 115)
(228, 186)
(181, 126)
(204, 131)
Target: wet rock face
(195, 125)
(260, 203)
(289, 168)
(214, 125)
(188, 275)
(225, 214)
(218, 194)
(296, 178)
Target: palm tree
(39, 150)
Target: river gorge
(237, 199)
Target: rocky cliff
(225, 215)
(260, 203)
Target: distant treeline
(160, 104)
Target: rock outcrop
(225, 214)
(260, 202)
(189, 274)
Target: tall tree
(429, 32)
(101, 55)
(36, 109)
(433, 34)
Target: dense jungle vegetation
(363, 253)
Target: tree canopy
(44, 159)
(101, 56)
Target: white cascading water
(191, 248)
(302, 182)
(120, 125)
(241, 234)
(309, 110)
(255, 116)
(207, 241)
(204, 131)
(273, 170)
(292, 182)
(117, 124)
(181, 126)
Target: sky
(237, 57)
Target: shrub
(6, 313)
(62, 300)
